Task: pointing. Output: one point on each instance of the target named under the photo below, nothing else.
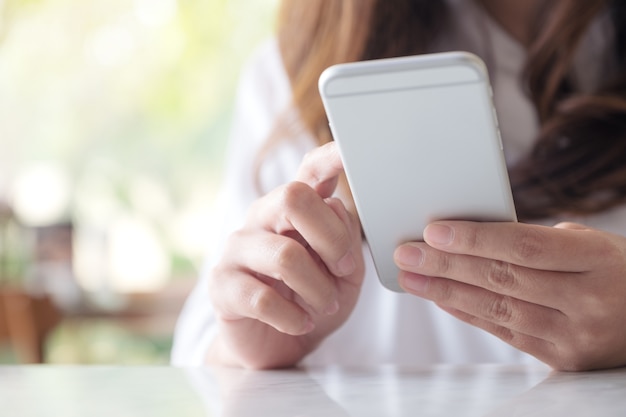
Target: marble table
(482, 390)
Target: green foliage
(131, 100)
(89, 84)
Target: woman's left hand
(558, 293)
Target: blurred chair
(25, 321)
(27, 315)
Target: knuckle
(219, 278)
(443, 264)
(505, 334)
(261, 303)
(501, 276)
(235, 239)
(309, 156)
(327, 295)
(528, 246)
(340, 233)
(295, 195)
(341, 239)
(445, 291)
(286, 256)
(472, 240)
(500, 310)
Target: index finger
(321, 168)
(532, 246)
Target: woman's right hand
(292, 274)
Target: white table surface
(482, 390)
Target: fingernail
(416, 283)
(346, 265)
(410, 255)
(438, 234)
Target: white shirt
(385, 327)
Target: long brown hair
(578, 163)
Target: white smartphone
(420, 142)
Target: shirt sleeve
(263, 96)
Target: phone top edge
(344, 79)
(409, 62)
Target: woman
(292, 280)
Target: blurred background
(113, 120)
